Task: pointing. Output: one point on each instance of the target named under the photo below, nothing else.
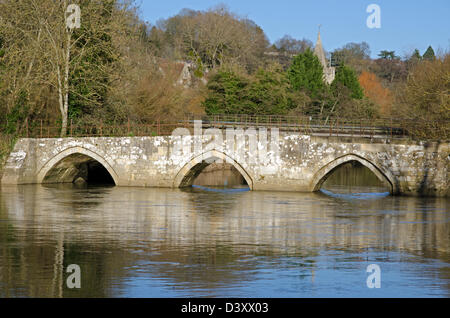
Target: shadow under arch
(186, 176)
(323, 173)
(76, 151)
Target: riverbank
(6, 145)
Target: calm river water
(136, 242)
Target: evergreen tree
(90, 77)
(268, 92)
(387, 55)
(416, 55)
(226, 91)
(306, 73)
(413, 60)
(346, 77)
(429, 54)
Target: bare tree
(43, 51)
(290, 45)
(215, 37)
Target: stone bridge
(302, 162)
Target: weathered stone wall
(302, 164)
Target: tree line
(117, 68)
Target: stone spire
(329, 72)
(319, 51)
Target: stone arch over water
(323, 173)
(186, 176)
(68, 165)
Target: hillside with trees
(117, 68)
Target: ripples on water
(204, 242)
(222, 189)
(356, 196)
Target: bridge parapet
(374, 128)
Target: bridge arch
(186, 176)
(324, 172)
(53, 162)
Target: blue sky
(405, 24)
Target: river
(197, 242)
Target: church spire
(329, 72)
(320, 53)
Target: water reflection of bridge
(112, 230)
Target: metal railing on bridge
(307, 125)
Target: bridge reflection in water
(170, 243)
